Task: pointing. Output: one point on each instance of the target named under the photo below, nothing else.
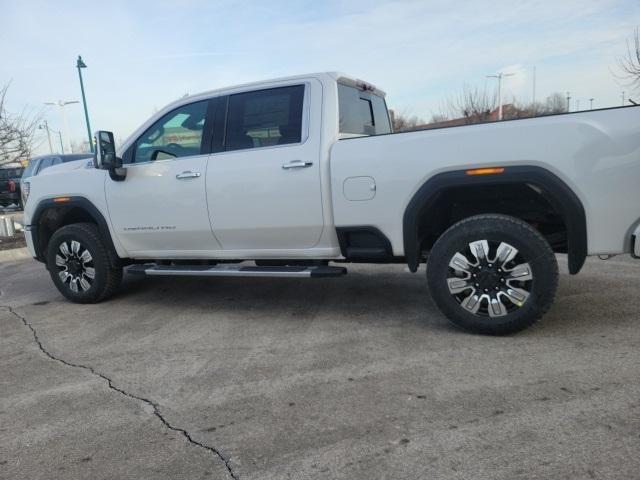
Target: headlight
(24, 189)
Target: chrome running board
(226, 270)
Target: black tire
(106, 278)
(532, 249)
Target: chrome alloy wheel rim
(487, 284)
(75, 266)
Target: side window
(177, 134)
(362, 113)
(45, 163)
(265, 118)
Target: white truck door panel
(268, 197)
(153, 210)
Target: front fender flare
(70, 202)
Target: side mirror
(105, 156)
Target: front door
(160, 209)
(263, 187)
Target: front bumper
(9, 198)
(28, 236)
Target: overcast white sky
(142, 55)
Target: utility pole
(46, 127)
(533, 97)
(499, 76)
(80, 65)
(61, 144)
(623, 94)
(568, 101)
(61, 104)
(591, 104)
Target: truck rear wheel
(492, 274)
(79, 265)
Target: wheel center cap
(74, 267)
(488, 278)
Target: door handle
(187, 174)
(296, 164)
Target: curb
(14, 254)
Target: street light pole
(499, 77)
(80, 65)
(61, 104)
(46, 127)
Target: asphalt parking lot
(358, 377)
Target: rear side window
(265, 118)
(45, 163)
(361, 112)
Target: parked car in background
(10, 175)
(38, 164)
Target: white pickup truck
(295, 173)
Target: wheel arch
(556, 192)
(52, 214)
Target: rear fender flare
(560, 196)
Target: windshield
(29, 170)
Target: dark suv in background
(10, 175)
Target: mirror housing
(105, 157)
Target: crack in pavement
(151, 403)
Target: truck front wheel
(492, 274)
(79, 265)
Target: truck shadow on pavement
(376, 295)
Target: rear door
(263, 183)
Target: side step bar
(237, 271)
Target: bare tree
(630, 64)
(554, 103)
(472, 104)
(438, 118)
(402, 121)
(80, 147)
(17, 132)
